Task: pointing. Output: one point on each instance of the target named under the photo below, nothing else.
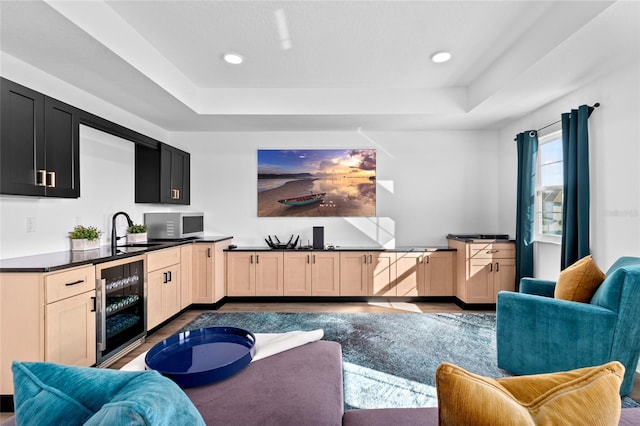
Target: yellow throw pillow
(579, 281)
(586, 396)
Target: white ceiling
(324, 65)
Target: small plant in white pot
(85, 238)
(136, 234)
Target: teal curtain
(527, 143)
(575, 212)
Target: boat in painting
(303, 200)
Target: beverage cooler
(120, 308)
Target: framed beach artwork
(316, 182)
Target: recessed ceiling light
(233, 58)
(440, 57)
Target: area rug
(389, 360)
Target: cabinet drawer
(492, 251)
(61, 285)
(163, 258)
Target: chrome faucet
(114, 237)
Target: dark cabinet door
(174, 175)
(39, 145)
(62, 146)
(22, 140)
(162, 175)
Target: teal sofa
(539, 334)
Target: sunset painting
(317, 182)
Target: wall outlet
(30, 224)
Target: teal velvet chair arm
(541, 335)
(537, 286)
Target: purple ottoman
(301, 386)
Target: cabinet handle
(94, 303)
(74, 283)
(308, 259)
(177, 194)
(52, 180)
(370, 259)
(492, 251)
(101, 315)
(42, 174)
(491, 267)
(364, 258)
(314, 259)
(497, 267)
(251, 259)
(169, 276)
(165, 278)
(427, 258)
(209, 252)
(257, 258)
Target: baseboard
(475, 306)
(6, 404)
(336, 299)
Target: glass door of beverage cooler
(120, 309)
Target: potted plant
(136, 234)
(85, 238)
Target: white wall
(614, 150)
(106, 187)
(429, 184)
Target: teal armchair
(539, 334)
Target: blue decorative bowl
(202, 356)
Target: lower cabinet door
(71, 330)
(163, 295)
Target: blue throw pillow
(47, 393)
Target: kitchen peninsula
(63, 295)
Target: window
(549, 188)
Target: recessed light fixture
(440, 57)
(233, 58)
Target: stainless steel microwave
(174, 225)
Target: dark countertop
(49, 262)
(340, 248)
(469, 238)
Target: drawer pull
(492, 251)
(74, 283)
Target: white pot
(84, 244)
(136, 238)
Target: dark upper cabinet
(162, 175)
(39, 144)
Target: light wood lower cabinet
(425, 273)
(186, 274)
(364, 273)
(163, 285)
(255, 273)
(311, 274)
(208, 273)
(483, 269)
(71, 330)
(47, 317)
